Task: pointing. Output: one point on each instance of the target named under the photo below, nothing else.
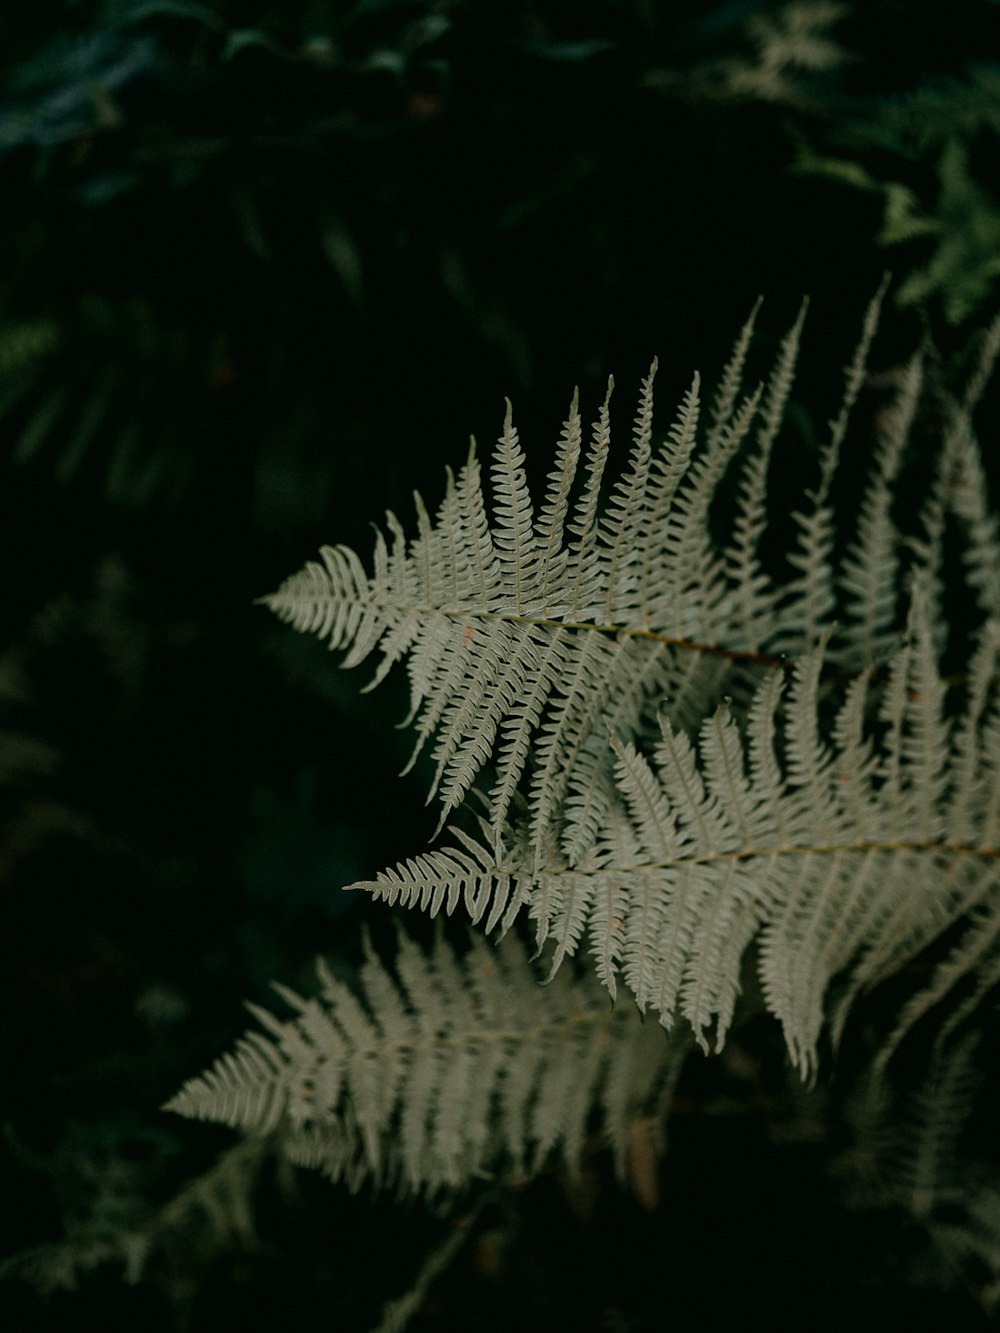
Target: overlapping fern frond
(845, 851)
(455, 1067)
(531, 635)
(694, 752)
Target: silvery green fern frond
(844, 850)
(698, 755)
(457, 1067)
(530, 636)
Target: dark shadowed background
(263, 270)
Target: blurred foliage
(104, 1175)
(789, 50)
(962, 225)
(210, 207)
(265, 267)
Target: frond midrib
(279, 603)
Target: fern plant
(716, 768)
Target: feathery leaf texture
(837, 852)
(453, 1068)
(553, 644)
(530, 635)
(692, 759)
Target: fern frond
(832, 849)
(452, 1068)
(482, 612)
(842, 826)
(530, 636)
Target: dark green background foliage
(265, 268)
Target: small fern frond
(453, 1068)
